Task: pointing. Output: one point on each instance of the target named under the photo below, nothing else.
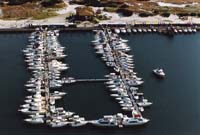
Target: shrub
(48, 3)
(125, 12)
(145, 14)
(193, 14)
(110, 9)
(166, 14)
(183, 14)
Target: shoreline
(116, 18)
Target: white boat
(135, 82)
(37, 115)
(117, 30)
(57, 123)
(78, 123)
(159, 72)
(128, 30)
(58, 93)
(28, 111)
(134, 30)
(140, 30)
(123, 30)
(35, 120)
(194, 30)
(149, 30)
(180, 30)
(175, 31)
(127, 108)
(134, 121)
(106, 121)
(69, 114)
(144, 103)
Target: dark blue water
(176, 99)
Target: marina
(43, 57)
(159, 92)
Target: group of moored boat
(123, 81)
(173, 29)
(43, 57)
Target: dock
(69, 81)
(91, 80)
(158, 28)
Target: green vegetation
(27, 10)
(49, 3)
(43, 15)
(111, 9)
(35, 9)
(144, 7)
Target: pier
(91, 80)
(68, 81)
(124, 77)
(138, 28)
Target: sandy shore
(116, 18)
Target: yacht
(128, 30)
(134, 30)
(134, 121)
(58, 93)
(139, 30)
(37, 115)
(27, 111)
(57, 123)
(35, 120)
(144, 102)
(106, 121)
(159, 72)
(123, 30)
(117, 30)
(127, 108)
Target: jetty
(167, 29)
(43, 56)
(67, 81)
(122, 82)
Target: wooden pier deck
(91, 80)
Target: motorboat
(134, 121)
(37, 115)
(117, 30)
(128, 30)
(127, 108)
(134, 30)
(76, 121)
(106, 121)
(159, 72)
(144, 103)
(57, 123)
(58, 93)
(35, 120)
(27, 111)
(122, 30)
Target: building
(84, 13)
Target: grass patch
(43, 15)
(28, 10)
(110, 9)
(145, 7)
